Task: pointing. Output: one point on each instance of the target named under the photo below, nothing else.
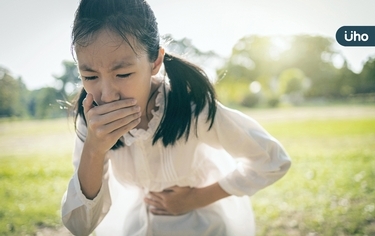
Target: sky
(35, 35)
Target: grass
(328, 191)
(35, 167)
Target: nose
(109, 92)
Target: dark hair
(188, 83)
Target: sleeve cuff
(85, 201)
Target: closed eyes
(90, 77)
(122, 76)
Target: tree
(12, 95)
(345, 83)
(313, 55)
(68, 81)
(44, 103)
(252, 59)
(185, 48)
(265, 59)
(366, 83)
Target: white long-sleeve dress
(237, 152)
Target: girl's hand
(172, 201)
(107, 123)
(180, 200)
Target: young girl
(157, 154)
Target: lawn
(35, 159)
(329, 190)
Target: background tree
(253, 58)
(185, 48)
(313, 55)
(45, 103)
(345, 83)
(259, 70)
(207, 60)
(366, 83)
(301, 68)
(13, 94)
(67, 82)
(18, 101)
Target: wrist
(93, 152)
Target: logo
(356, 36)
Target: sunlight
(279, 44)
(255, 87)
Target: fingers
(116, 105)
(106, 123)
(116, 117)
(154, 202)
(175, 200)
(88, 103)
(155, 205)
(157, 211)
(131, 113)
(126, 127)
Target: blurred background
(277, 61)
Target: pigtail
(188, 85)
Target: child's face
(111, 70)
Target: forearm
(90, 172)
(210, 194)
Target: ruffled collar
(134, 134)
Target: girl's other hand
(180, 200)
(172, 201)
(108, 122)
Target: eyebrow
(121, 64)
(84, 67)
(115, 66)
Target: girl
(154, 155)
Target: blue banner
(356, 36)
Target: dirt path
(53, 232)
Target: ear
(158, 62)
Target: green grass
(329, 190)
(35, 167)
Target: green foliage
(292, 69)
(68, 80)
(185, 47)
(231, 92)
(291, 81)
(367, 77)
(250, 100)
(289, 69)
(47, 102)
(12, 95)
(43, 103)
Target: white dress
(236, 152)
